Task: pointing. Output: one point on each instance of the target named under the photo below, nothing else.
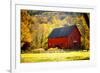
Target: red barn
(65, 37)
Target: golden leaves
(25, 31)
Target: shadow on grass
(77, 58)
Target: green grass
(49, 57)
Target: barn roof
(60, 32)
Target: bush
(52, 50)
(40, 50)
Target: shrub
(39, 50)
(52, 50)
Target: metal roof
(61, 32)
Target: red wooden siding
(60, 42)
(74, 38)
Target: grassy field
(49, 57)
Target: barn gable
(61, 32)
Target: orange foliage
(25, 31)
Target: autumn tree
(25, 31)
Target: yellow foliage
(25, 31)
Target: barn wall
(57, 42)
(75, 35)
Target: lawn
(49, 57)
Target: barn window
(74, 41)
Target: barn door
(75, 44)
